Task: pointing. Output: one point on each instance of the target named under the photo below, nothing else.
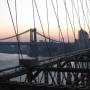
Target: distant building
(83, 35)
(83, 39)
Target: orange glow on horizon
(4, 32)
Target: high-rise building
(83, 39)
(83, 35)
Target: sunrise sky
(25, 17)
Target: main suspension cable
(10, 37)
(6, 38)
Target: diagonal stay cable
(69, 19)
(11, 17)
(47, 15)
(33, 13)
(57, 18)
(59, 27)
(84, 22)
(42, 27)
(85, 16)
(12, 20)
(48, 20)
(73, 18)
(67, 27)
(88, 11)
(77, 13)
(18, 39)
(16, 16)
(78, 17)
(77, 43)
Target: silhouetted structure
(33, 37)
(33, 43)
(83, 39)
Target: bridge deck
(19, 70)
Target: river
(9, 60)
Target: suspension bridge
(67, 66)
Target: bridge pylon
(33, 37)
(33, 43)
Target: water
(11, 60)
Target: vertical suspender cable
(12, 20)
(59, 28)
(85, 17)
(16, 15)
(58, 21)
(88, 12)
(48, 20)
(86, 23)
(48, 25)
(73, 19)
(42, 28)
(67, 27)
(33, 13)
(34, 24)
(77, 13)
(11, 17)
(18, 39)
(69, 18)
(58, 17)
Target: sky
(25, 17)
